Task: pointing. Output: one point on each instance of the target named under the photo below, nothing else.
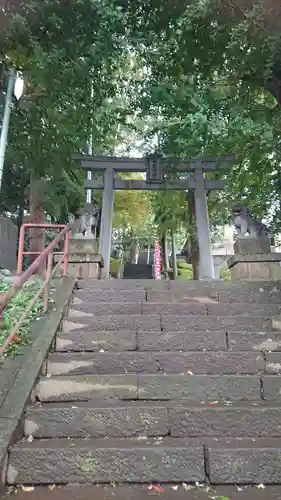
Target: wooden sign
(154, 169)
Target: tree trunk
(37, 216)
(20, 217)
(193, 239)
(174, 257)
(164, 251)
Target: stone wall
(8, 244)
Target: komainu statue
(88, 223)
(245, 223)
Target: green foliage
(225, 273)
(190, 79)
(131, 208)
(181, 264)
(209, 70)
(184, 273)
(114, 267)
(13, 312)
(62, 57)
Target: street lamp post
(15, 86)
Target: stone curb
(20, 373)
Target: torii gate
(154, 167)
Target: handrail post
(21, 250)
(66, 250)
(47, 281)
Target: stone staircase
(138, 271)
(159, 382)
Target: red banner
(157, 261)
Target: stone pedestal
(84, 261)
(253, 260)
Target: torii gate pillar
(106, 220)
(206, 264)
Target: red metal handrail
(19, 281)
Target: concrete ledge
(262, 257)
(19, 374)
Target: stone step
(175, 296)
(209, 286)
(97, 419)
(187, 308)
(244, 461)
(210, 323)
(143, 420)
(246, 309)
(199, 387)
(105, 461)
(209, 296)
(254, 297)
(143, 308)
(157, 322)
(88, 339)
(85, 387)
(150, 387)
(104, 295)
(221, 460)
(194, 362)
(112, 322)
(134, 284)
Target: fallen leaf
(27, 489)
(156, 488)
(16, 339)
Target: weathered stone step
(85, 387)
(244, 461)
(149, 387)
(195, 362)
(246, 286)
(156, 322)
(99, 419)
(228, 461)
(247, 309)
(88, 339)
(108, 460)
(209, 323)
(187, 308)
(209, 296)
(257, 341)
(106, 308)
(253, 297)
(110, 323)
(97, 296)
(143, 420)
(199, 387)
(219, 419)
(271, 387)
(92, 284)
